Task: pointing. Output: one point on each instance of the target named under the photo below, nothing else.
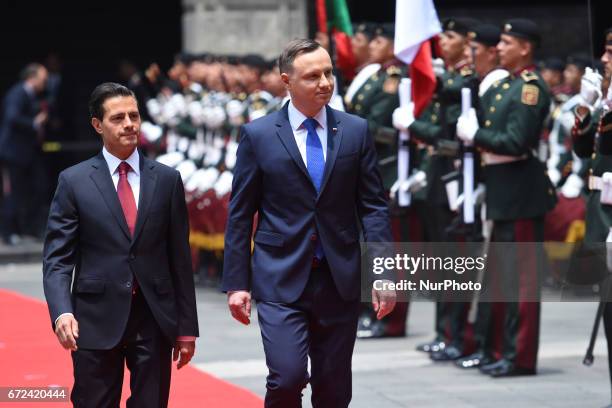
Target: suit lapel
(334, 138)
(285, 133)
(102, 178)
(148, 182)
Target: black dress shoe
(473, 360)
(449, 353)
(368, 328)
(486, 368)
(509, 369)
(431, 346)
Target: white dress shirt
(297, 118)
(133, 176)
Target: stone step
(27, 251)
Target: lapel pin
(334, 130)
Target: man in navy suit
(118, 223)
(310, 174)
(20, 136)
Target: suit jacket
(18, 137)
(271, 179)
(87, 233)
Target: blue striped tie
(315, 163)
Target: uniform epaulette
(529, 76)
(466, 71)
(394, 70)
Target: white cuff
(58, 317)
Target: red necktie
(126, 197)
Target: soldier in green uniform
(592, 138)
(375, 101)
(519, 192)
(435, 128)
(483, 44)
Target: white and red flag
(416, 22)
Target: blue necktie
(315, 163)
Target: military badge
(530, 94)
(391, 84)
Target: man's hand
(40, 119)
(239, 303)
(184, 349)
(403, 117)
(590, 87)
(67, 331)
(467, 126)
(383, 302)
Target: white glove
(223, 185)
(186, 169)
(480, 194)
(235, 110)
(606, 188)
(609, 250)
(403, 117)
(415, 182)
(590, 88)
(151, 132)
(438, 67)
(171, 159)
(467, 126)
(554, 175)
(572, 186)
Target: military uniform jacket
(592, 139)
(437, 124)
(375, 101)
(514, 110)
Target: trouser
(24, 198)
(515, 271)
(98, 374)
(320, 325)
(436, 218)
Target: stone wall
(242, 26)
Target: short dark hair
(30, 71)
(294, 49)
(102, 93)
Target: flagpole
(403, 149)
(468, 164)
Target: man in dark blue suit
(118, 223)
(22, 122)
(310, 174)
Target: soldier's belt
(595, 183)
(386, 135)
(449, 148)
(492, 158)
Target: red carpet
(30, 356)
